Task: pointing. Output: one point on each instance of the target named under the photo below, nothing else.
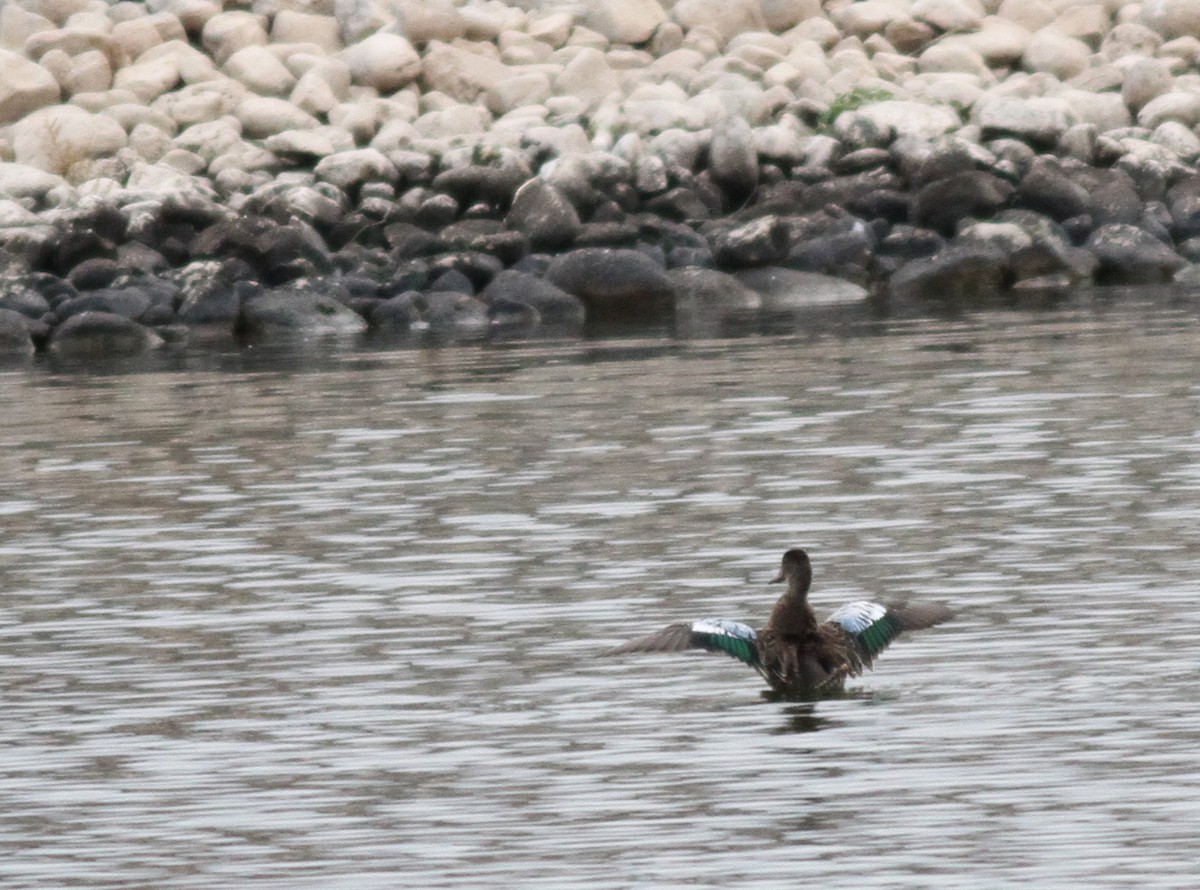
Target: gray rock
(941, 205)
(19, 295)
(614, 282)
(733, 159)
(544, 215)
(127, 302)
(708, 291)
(1049, 189)
(15, 334)
(1129, 255)
(305, 308)
(760, 242)
(962, 273)
(398, 314)
(476, 183)
(552, 304)
(789, 290)
(100, 335)
(212, 291)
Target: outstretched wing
(871, 627)
(714, 634)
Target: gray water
(280, 628)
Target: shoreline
(308, 168)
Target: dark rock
(504, 313)
(94, 274)
(308, 307)
(242, 237)
(1128, 255)
(885, 204)
(436, 212)
(1047, 188)
(409, 240)
(552, 304)
(940, 160)
(942, 204)
(491, 185)
(909, 242)
(486, 236)
(846, 254)
(760, 242)
(614, 282)
(543, 215)
(399, 313)
(680, 203)
(15, 334)
(790, 290)
(1112, 196)
(211, 291)
(129, 302)
(478, 267)
(452, 280)
(960, 274)
(863, 159)
(102, 334)
(1189, 249)
(293, 251)
(707, 291)
(733, 159)
(20, 295)
(1185, 215)
(607, 234)
(461, 315)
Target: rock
(295, 26)
(397, 314)
(350, 169)
(760, 242)
(1171, 18)
(1053, 53)
(476, 183)
(19, 181)
(93, 335)
(962, 273)
(56, 138)
(553, 305)
(710, 292)
(15, 334)
(1129, 255)
(1145, 79)
(940, 205)
(888, 120)
(263, 116)
(302, 308)
(1039, 120)
(260, 70)
(459, 73)
(625, 21)
(212, 291)
(227, 33)
(733, 158)
(1178, 105)
(588, 77)
(1048, 189)
(386, 62)
(724, 18)
(130, 302)
(614, 282)
(20, 295)
(789, 290)
(543, 215)
(25, 86)
(949, 15)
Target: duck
(797, 655)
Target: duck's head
(795, 569)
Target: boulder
(386, 62)
(19, 181)
(260, 70)
(711, 292)
(1040, 120)
(25, 86)
(15, 334)
(94, 335)
(350, 169)
(543, 215)
(962, 273)
(1048, 189)
(302, 308)
(459, 73)
(1129, 255)
(942, 204)
(789, 290)
(625, 21)
(733, 158)
(228, 32)
(212, 292)
(760, 242)
(1171, 18)
(263, 116)
(397, 314)
(56, 138)
(614, 282)
(553, 305)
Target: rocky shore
(397, 168)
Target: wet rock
(760, 242)
(710, 292)
(397, 315)
(1129, 255)
(543, 215)
(1048, 189)
(211, 291)
(733, 159)
(960, 274)
(94, 273)
(100, 335)
(910, 242)
(940, 205)
(552, 304)
(614, 282)
(475, 183)
(20, 295)
(130, 302)
(15, 334)
(456, 314)
(304, 308)
(790, 290)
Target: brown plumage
(796, 654)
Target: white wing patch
(857, 616)
(724, 627)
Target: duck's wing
(713, 634)
(862, 629)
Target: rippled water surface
(263, 626)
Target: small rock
(302, 308)
(962, 273)
(1129, 255)
(614, 282)
(760, 242)
(544, 215)
(553, 305)
(386, 62)
(15, 336)
(789, 290)
(940, 205)
(101, 335)
(25, 86)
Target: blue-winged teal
(795, 653)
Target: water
(275, 628)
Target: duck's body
(796, 654)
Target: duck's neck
(792, 615)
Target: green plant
(856, 98)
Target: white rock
(460, 74)
(136, 36)
(291, 26)
(1178, 139)
(588, 77)
(193, 65)
(455, 121)
(90, 72)
(516, 91)
(895, 119)
(386, 62)
(202, 102)
(1089, 22)
(725, 18)
(624, 21)
(260, 70)
(149, 142)
(1174, 106)
(1000, 41)
(229, 32)
(421, 21)
(1171, 18)
(1039, 119)
(58, 11)
(54, 139)
(1105, 111)
(948, 57)
(1051, 52)
(263, 116)
(18, 181)
(1144, 80)
(24, 87)
(17, 25)
(869, 16)
(314, 94)
(348, 169)
(780, 15)
(133, 114)
(150, 79)
(211, 139)
(949, 15)
(306, 144)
